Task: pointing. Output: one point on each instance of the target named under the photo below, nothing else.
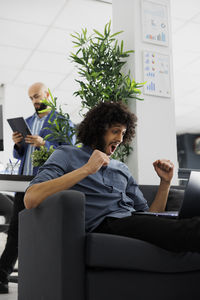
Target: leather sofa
(59, 261)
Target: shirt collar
(38, 118)
(87, 149)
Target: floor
(12, 293)
(12, 286)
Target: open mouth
(112, 148)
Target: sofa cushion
(118, 252)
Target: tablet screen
(20, 125)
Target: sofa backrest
(175, 197)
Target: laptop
(191, 202)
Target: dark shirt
(112, 191)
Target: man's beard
(41, 107)
(101, 145)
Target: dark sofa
(58, 261)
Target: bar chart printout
(155, 23)
(156, 74)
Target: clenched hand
(165, 169)
(96, 161)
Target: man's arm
(164, 169)
(38, 192)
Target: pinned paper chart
(156, 74)
(155, 23)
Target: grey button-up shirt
(112, 191)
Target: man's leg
(10, 253)
(170, 234)
(6, 206)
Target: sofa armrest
(51, 248)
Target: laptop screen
(191, 202)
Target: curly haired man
(112, 194)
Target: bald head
(37, 92)
(37, 87)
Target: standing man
(23, 150)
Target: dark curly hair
(102, 116)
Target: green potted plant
(60, 127)
(100, 60)
(39, 156)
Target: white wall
(16, 103)
(156, 135)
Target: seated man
(112, 194)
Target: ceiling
(35, 45)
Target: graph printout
(156, 74)
(155, 23)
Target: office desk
(14, 183)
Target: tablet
(20, 125)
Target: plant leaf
(116, 33)
(98, 33)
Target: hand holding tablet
(19, 125)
